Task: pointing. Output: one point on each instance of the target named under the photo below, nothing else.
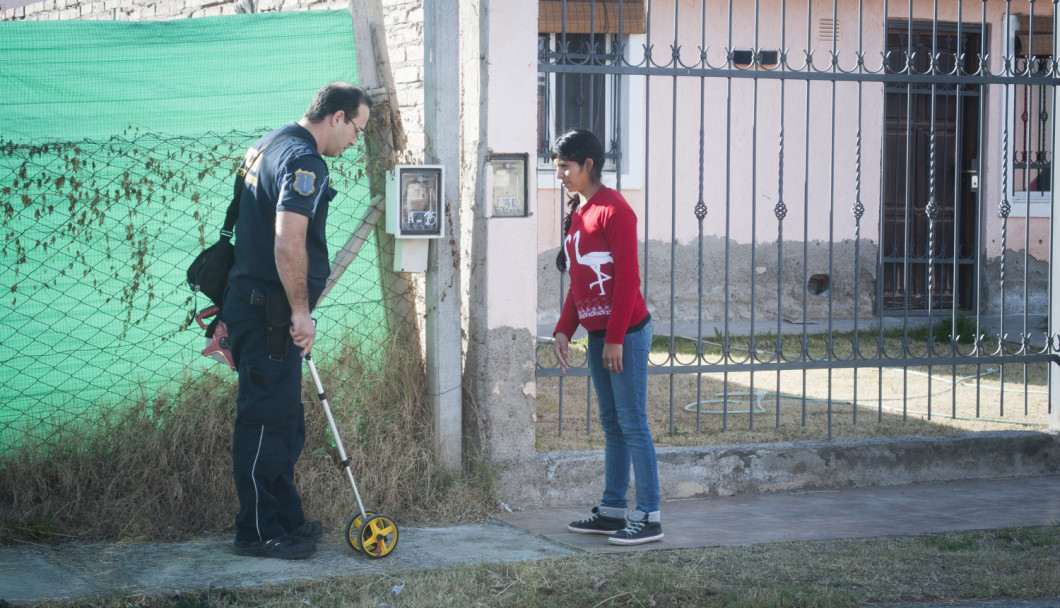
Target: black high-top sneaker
(597, 523)
(642, 528)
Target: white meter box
(413, 201)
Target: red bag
(217, 345)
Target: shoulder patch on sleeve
(305, 182)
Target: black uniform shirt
(290, 176)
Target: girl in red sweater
(600, 252)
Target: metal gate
(839, 201)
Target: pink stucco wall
(742, 124)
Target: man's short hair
(334, 97)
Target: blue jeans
(623, 415)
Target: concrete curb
(576, 478)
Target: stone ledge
(576, 478)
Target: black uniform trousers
(269, 429)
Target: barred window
(579, 100)
(1032, 130)
(1030, 116)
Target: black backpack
(208, 273)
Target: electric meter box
(414, 201)
(414, 212)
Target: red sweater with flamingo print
(601, 250)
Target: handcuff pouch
(278, 324)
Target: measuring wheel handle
(378, 536)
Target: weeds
(961, 329)
(31, 530)
(161, 469)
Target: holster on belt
(278, 324)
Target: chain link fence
(96, 240)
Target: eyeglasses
(359, 129)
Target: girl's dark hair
(576, 145)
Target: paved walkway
(31, 573)
(748, 519)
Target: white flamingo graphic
(593, 259)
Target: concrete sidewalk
(31, 573)
(748, 519)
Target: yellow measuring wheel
(378, 536)
(353, 529)
(371, 534)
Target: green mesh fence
(100, 220)
(91, 79)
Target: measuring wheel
(371, 534)
(377, 536)
(353, 528)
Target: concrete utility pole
(441, 92)
(441, 121)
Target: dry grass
(717, 408)
(161, 469)
(956, 568)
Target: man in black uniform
(281, 266)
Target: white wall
(499, 59)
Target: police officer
(281, 266)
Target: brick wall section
(403, 21)
(404, 33)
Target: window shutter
(1043, 35)
(589, 16)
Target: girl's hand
(562, 346)
(613, 358)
